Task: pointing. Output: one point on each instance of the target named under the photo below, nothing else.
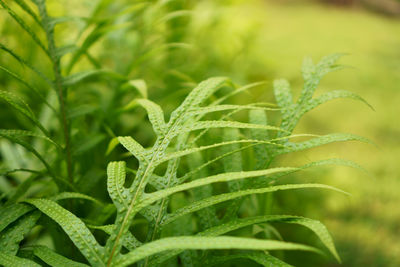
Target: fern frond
(11, 237)
(25, 63)
(15, 136)
(334, 95)
(317, 227)
(261, 258)
(156, 115)
(75, 195)
(198, 205)
(34, 89)
(14, 261)
(10, 213)
(224, 177)
(319, 141)
(189, 242)
(75, 78)
(54, 259)
(20, 105)
(74, 228)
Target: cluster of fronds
(180, 196)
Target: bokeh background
(253, 40)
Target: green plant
(186, 187)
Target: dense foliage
(193, 176)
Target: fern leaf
(188, 242)
(75, 195)
(198, 205)
(25, 63)
(54, 259)
(24, 133)
(319, 141)
(226, 124)
(115, 184)
(10, 213)
(130, 241)
(333, 95)
(10, 239)
(31, 87)
(283, 96)
(333, 161)
(237, 91)
(313, 74)
(207, 216)
(134, 148)
(75, 78)
(204, 165)
(210, 109)
(261, 258)
(189, 151)
(199, 94)
(232, 163)
(224, 177)
(156, 115)
(29, 147)
(140, 86)
(260, 151)
(74, 228)
(14, 261)
(317, 227)
(20, 105)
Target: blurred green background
(252, 40)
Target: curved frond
(74, 228)
(14, 261)
(198, 205)
(189, 242)
(54, 259)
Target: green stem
(58, 84)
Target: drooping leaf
(74, 228)
(333, 95)
(224, 177)
(319, 141)
(75, 78)
(226, 124)
(11, 237)
(29, 86)
(198, 205)
(54, 259)
(260, 257)
(156, 115)
(10, 213)
(14, 261)
(75, 195)
(25, 63)
(20, 105)
(189, 242)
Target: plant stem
(58, 85)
